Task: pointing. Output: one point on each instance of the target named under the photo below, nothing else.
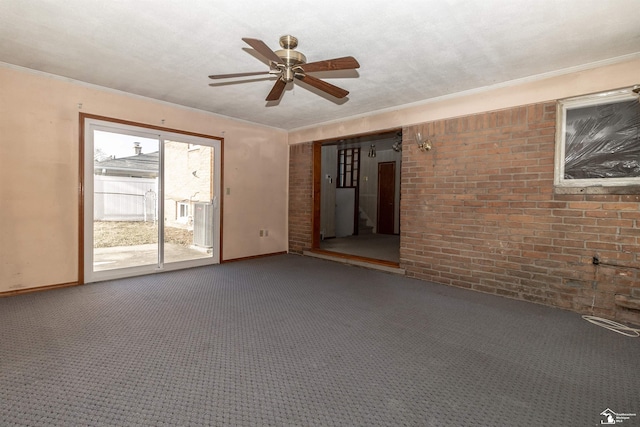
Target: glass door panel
(188, 201)
(126, 176)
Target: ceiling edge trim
(134, 95)
(475, 91)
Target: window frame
(179, 206)
(348, 167)
(601, 98)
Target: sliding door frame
(85, 120)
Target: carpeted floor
(295, 341)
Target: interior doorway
(358, 196)
(151, 200)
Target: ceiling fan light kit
(288, 64)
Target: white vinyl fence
(119, 198)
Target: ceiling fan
(288, 64)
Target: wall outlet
(266, 233)
(261, 233)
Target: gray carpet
(295, 341)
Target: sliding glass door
(150, 200)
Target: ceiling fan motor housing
(290, 57)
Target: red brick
(479, 211)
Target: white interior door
(345, 211)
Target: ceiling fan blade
(263, 49)
(276, 91)
(235, 82)
(344, 63)
(323, 86)
(226, 76)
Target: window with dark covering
(599, 140)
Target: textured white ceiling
(409, 51)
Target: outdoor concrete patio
(131, 256)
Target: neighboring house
(126, 188)
(188, 181)
(136, 166)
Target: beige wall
(606, 77)
(39, 147)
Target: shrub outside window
(598, 140)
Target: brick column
(300, 197)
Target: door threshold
(375, 264)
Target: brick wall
(300, 196)
(479, 211)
